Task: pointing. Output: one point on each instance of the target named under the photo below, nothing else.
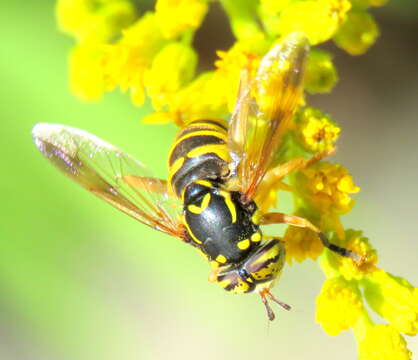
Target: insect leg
(264, 293)
(280, 218)
(272, 181)
(152, 184)
(277, 173)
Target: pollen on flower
(327, 187)
(338, 306)
(360, 245)
(301, 243)
(383, 342)
(395, 299)
(177, 16)
(315, 130)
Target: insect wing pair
(264, 108)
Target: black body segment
(218, 223)
(199, 152)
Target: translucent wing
(264, 109)
(108, 173)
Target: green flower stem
(363, 323)
(187, 37)
(242, 16)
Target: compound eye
(266, 264)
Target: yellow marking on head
(273, 269)
(240, 288)
(231, 206)
(256, 218)
(267, 255)
(193, 236)
(256, 237)
(218, 149)
(225, 283)
(249, 280)
(199, 209)
(221, 259)
(244, 244)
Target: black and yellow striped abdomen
(199, 152)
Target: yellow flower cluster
(327, 188)
(341, 305)
(322, 193)
(150, 55)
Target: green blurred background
(79, 280)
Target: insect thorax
(218, 223)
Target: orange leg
(272, 181)
(213, 275)
(279, 172)
(264, 293)
(280, 218)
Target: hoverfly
(216, 173)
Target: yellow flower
(202, 98)
(213, 94)
(126, 61)
(319, 20)
(338, 306)
(321, 75)
(393, 298)
(357, 33)
(383, 342)
(349, 269)
(315, 131)
(171, 69)
(86, 73)
(301, 243)
(326, 187)
(94, 21)
(244, 54)
(178, 16)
